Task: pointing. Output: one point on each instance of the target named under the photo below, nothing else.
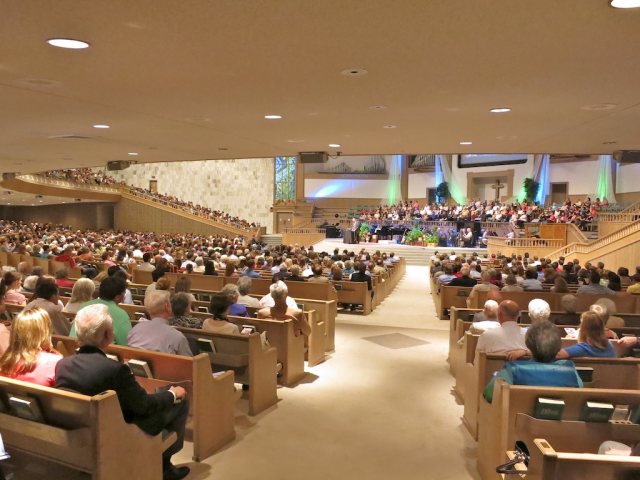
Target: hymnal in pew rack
(140, 368)
(548, 408)
(26, 407)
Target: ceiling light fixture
(377, 107)
(335, 145)
(273, 117)
(390, 126)
(100, 125)
(500, 110)
(68, 43)
(625, 3)
(466, 143)
(133, 154)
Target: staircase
(617, 249)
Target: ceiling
(22, 199)
(193, 79)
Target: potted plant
(414, 236)
(364, 230)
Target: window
(285, 190)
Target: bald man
(509, 336)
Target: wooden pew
(497, 420)
(619, 373)
(84, 433)
(211, 399)
(253, 365)
(316, 342)
(567, 461)
(290, 348)
(355, 293)
(625, 303)
(452, 297)
(457, 318)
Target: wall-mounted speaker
(627, 156)
(313, 157)
(118, 165)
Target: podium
(349, 236)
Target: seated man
(464, 280)
(90, 372)
(489, 313)
(282, 311)
(509, 336)
(111, 293)
(156, 334)
(543, 340)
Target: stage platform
(415, 255)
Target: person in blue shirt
(543, 342)
(592, 339)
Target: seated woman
(220, 303)
(10, 288)
(209, 268)
(236, 309)
(592, 339)
(183, 284)
(181, 309)
(82, 292)
(281, 311)
(30, 356)
(543, 341)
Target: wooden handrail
(576, 247)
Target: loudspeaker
(627, 156)
(8, 176)
(118, 165)
(313, 157)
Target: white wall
(521, 171)
(419, 182)
(582, 177)
(345, 188)
(627, 178)
(242, 188)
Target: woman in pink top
(9, 286)
(30, 356)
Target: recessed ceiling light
(273, 117)
(609, 142)
(294, 140)
(100, 125)
(377, 107)
(133, 154)
(599, 107)
(223, 149)
(390, 126)
(68, 43)
(466, 143)
(354, 72)
(625, 3)
(335, 145)
(500, 110)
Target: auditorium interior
(404, 133)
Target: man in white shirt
(509, 336)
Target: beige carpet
(379, 408)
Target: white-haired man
(90, 372)
(157, 334)
(282, 311)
